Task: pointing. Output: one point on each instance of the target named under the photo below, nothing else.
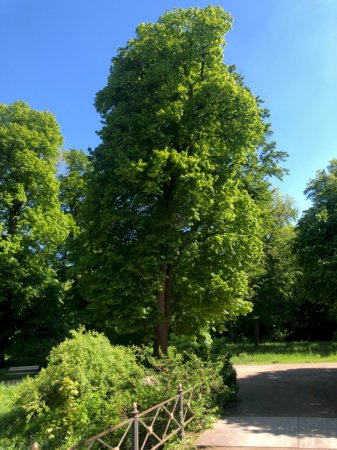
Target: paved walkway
(280, 406)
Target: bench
(16, 373)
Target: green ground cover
(283, 352)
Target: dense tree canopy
(316, 247)
(72, 195)
(274, 299)
(172, 229)
(31, 225)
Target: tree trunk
(164, 299)
(164, 295)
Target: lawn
(8, 417)
(283, 352)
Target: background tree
(172, 231)
(31, 228)
(72, 195)
(275, 302)
(316, 246)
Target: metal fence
(146, 430)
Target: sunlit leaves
(31, 223)
(170, 180)
(316, 243)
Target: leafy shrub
(214, 382)
(87, 385)
(218, 372)
(200, 345)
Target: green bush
(90, 385)
(203, 345)
(214, 382)
(218, 372)
(200, 345)
(87, 385)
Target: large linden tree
(173, 227)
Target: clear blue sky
(56, 55)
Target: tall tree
(172, 231)
(316, 247)
(31, 225)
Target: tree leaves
(180, 142)
(316, 243)
(31, 223)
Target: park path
(280, 406)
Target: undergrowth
(89, 384)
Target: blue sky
(56, 55)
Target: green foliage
(31, 228)
(213, 354)
(316, 249)
(275, 301)
(11, 418)
(72, 182)
(200, 345)
(72, 196)
(169, 206)
(214, 382)
(89, 385)
(186, 444)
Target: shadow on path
(280, 406)
(289, 392)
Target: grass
(283, 352)
(8, 417)
(8, 395)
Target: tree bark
(164, 305)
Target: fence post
(181, 412)
(135, 433)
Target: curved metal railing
(146, 430)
